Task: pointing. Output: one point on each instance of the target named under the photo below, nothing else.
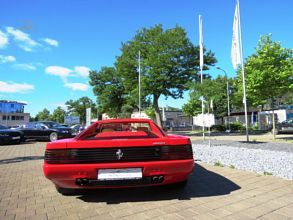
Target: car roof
(124, 120)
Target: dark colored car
(285, 127)
(8, 136)
(77, 128)
(46, 130)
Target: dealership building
(12, 113)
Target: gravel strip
(273, 146)
(270, 162)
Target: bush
(255, 126)
(237, 126)
(219, 128)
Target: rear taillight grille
(112, 155)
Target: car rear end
(109, 166)
(116, 159)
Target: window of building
(13, 118)
(6, 117)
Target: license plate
(120, 174)
(15, 138)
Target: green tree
(43, 115)
(193, 106)
(58, 115)
(169, 61)
(109, 90)
(268, 72)
(210, 89)
(78, 108)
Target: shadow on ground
(252, 142)
(20, 159)
(286, 138)
(202, 183)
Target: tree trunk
(157, 111)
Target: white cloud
(77, 86)
(51, 42)
(25, 66)
(7, 59)
(82, 70)
(65, 73)
(58, 71)
(15, 87)
(3, 39)
(24, 40)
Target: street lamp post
(228, 96)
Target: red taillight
(176, 152)
(57, 156)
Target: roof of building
(8, 101)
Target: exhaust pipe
(155, 179)
(82, 181)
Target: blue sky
(47, 47)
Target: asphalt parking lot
(212, 193)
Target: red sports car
(119, 153)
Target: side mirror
(43, 127)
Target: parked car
(45, 130)
(119, 153)
(77, 128)
(8, 136)
(285, 127)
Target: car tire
(53, 136)
(65, 191)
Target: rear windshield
(128, 130)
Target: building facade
(174, 118)
(12, 113)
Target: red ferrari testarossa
(119, 153)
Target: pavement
(212, 192)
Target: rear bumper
(85, 175)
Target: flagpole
(201, 67)
(243, 75)
(209, 128)
(139, 92)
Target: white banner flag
(235, 50)
(164, 115)
(200, 42)
(88, 117)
